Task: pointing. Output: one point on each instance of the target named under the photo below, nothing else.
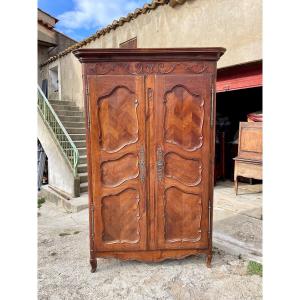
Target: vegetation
(64, 234)
(254, 268)
(68, 233)
(40, 202)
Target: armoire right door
(183, 133)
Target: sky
(80, 19)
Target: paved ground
(238, 219)
(64, 271)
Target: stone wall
(62, 42)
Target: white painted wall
(60, 174)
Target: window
(132, 43)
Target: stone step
(71, 119)
(83, 177)
(82, 159)
(77, 137)
(82, 151)
(80, 144)
(61, 102)
(62, 113)
(83, 187)
(69, 124)
(75, 130)
(58, 107)
(72, 205)
(82, 168)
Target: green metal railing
(58, 130)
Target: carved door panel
(117, 153)
(183, 165)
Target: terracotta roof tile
(116, 23)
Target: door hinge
(92, 210)
(209, 219)
(142, 166)
(87, 93)
(212, 107)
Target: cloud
(89, 14)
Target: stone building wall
(233, 24)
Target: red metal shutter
(239, 77)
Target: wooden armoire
(150, 122)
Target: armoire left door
(117, 155)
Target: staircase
(74, 122)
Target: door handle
(160, 165)
(142, 166)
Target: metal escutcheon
(142, 164)
(160, 163)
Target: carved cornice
(153, 55)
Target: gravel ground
(64, 270)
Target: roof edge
(56, 20)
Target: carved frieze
(144, 68)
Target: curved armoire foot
(208, 260)
(93, 262)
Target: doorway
(54, 87)
(232, 108)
